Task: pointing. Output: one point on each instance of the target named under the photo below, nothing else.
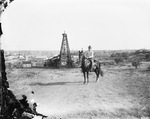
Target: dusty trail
(61, 93)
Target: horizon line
(83, 50)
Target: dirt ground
(123, 92)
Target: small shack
(26, 64)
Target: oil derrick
(65, 56)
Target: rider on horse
(90, 55)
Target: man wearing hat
(90, 55)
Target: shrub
(136, 64)
(118, 60)
(147, 56)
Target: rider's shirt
(89, 54)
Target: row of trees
(134, 57)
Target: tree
(135, 64)
(147, 56)
(125, 55)
(118, 60)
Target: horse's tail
(99, 65)
(100, 70)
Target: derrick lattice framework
(65, 56)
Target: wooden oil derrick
(65, 56)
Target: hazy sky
(104, 24)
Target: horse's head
(80, 56)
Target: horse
(86, 65)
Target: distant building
(38, 64)
(21, 57)
(11, 58)
(36, 59)
(52, 62)
(41, 58)
(34, 64)
(26, 64)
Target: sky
(103, 24)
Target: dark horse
(86, 65)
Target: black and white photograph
(74, 59)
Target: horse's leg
(101, 72)
(84, 78)
(87, 77)
(97, 74)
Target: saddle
(90, 63)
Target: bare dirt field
(120, 94)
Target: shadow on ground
(55, 83)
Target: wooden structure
(63, 60)
(26, 64)
(65, 56)
(53, 62)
